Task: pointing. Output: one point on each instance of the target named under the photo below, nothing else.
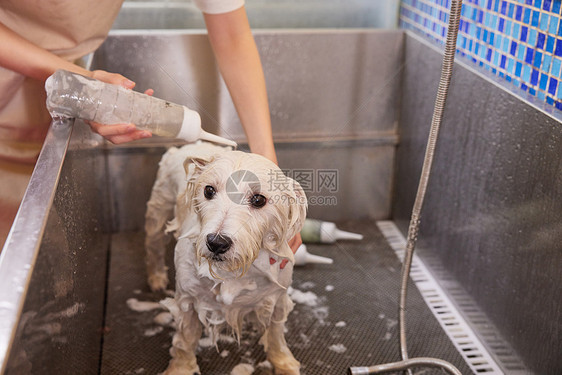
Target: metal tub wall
(491, 225)
(59, 328)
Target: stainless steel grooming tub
(349, 111)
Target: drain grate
(450, 319)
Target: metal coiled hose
(442, 91)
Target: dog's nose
(217, 243)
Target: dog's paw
(158, 281)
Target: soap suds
(305, 298)
(153, 331)
(341, 324)
(242, 369)
(163, 319)
(329, 288)
(136, 305)
(338, 348)
(206, 342)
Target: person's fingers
(132, 136)
(113, 78)
(149, 92)
(109, 130)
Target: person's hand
(118, 133)
(295, 242)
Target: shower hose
(446, 71)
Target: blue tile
(543, 82)
(503, 61)
(532, 37)
(541, 95)
(553, 25)
(510, 10)
(558, 50)
(559, 95)
(505, 44)
(540, 40)
(549, 100)
(515, 32)
(534, 77)
(524, 86)
(498, 41)
(552, 86)
(524, 33)
(513, 48)
(503, 8)
(521, 52)
(556, 7)
(527, 16)
(558, 104)
(508, 78)
(555, 70)
(544, 21)
(518, 67)
(526, 73)
(510, 64)
(529, 55)
(532, 91)
(518, 12)
(547, 59)
(550, 44)
(546, 5)
(537, 60)
(535, 19)
(508, 26)
(501, 24)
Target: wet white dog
(233, 213)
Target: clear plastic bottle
(73, 95)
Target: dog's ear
(195, 164)
(297, 209)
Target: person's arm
(240, 65)
(21, 56)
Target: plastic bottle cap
(191, 125)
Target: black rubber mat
(345, 315)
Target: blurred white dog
(233, 213)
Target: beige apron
(68, 28)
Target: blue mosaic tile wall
(519, 40)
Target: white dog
(233, 213)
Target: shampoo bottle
(316, 231)
(73, 95)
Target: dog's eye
(258, 200)
(209, 192)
